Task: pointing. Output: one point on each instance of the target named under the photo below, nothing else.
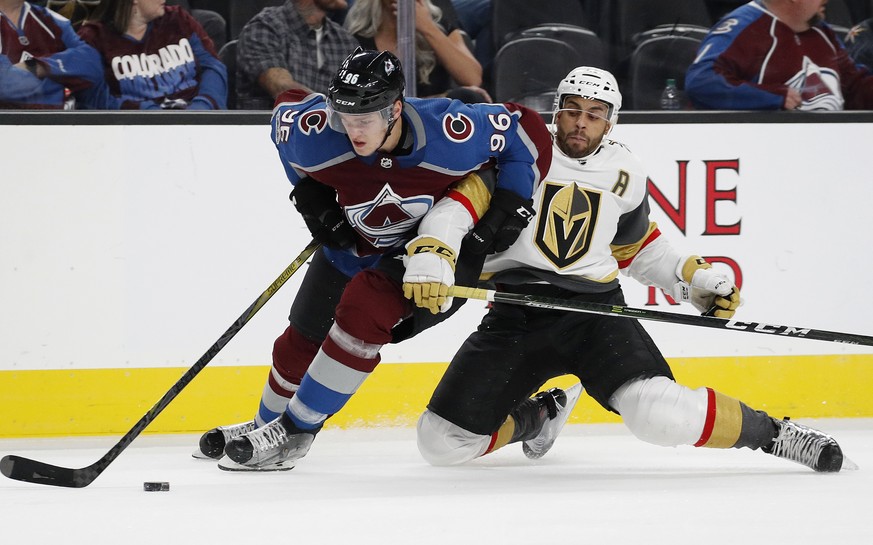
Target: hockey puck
(149, 486)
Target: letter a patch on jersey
(565, 224)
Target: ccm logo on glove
(443, 251)
(430, 271)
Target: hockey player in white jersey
(593, 222)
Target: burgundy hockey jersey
(175, 60)
(750, 59)
(50, 39)
(384, 197)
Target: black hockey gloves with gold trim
(323, 216)
(711, 292)
(507, 216)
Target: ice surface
(598, 485)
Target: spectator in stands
(441, 55)
(154, 57)
(79, 11)
(41, 58)
(859, 43)
(292, 46)
(474, 17)
(777, 54)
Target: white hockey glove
(430, 271)
(712, 293)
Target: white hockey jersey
(592, 219)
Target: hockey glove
(430, 271)
(323, 216)
(507, 216)
(712, 293)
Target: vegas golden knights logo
(565, 224)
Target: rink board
(110, 401)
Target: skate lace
(268, 437)
(232, 432)
(799, 445)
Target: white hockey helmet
(592, 83)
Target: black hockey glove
(501, 225)
(323, 216)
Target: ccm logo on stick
(764, 328)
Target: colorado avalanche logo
(819, 87)
(314, 121)
(387, 218)
(458, 128)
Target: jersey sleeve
(19, 85)
(284, 129)
(262, 45)
(640, 249)
(212, 90)
(77, 67)
(523, 150)
(722, 76)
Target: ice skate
(558, 404)
(804, 445)
(273, 447)
(212, 443)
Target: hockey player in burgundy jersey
(775, 55)
(592, 223)
(390, 186)
(41, 58)
(162, 59)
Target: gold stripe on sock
(728, 422)
(502, 436)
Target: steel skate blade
(226, 464)
(849, 465)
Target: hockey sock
(723, 421)
(292, 353)
(731, 423)
(524, 423)
(501, 437)
(339, 368)
(758, 429)
(371, 305)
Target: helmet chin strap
(388, 130)
(387, 133)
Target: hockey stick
(658, 316)
(32, 471)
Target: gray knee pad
(442, 443)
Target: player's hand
(322, 214)
(174, 104)
(430, 271)
(507, 216)
(793, 99)
(711, 292)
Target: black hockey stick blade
(659, 316)
(33, 471)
